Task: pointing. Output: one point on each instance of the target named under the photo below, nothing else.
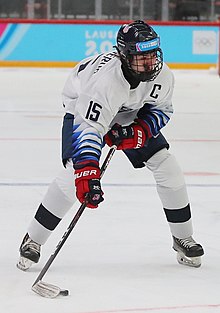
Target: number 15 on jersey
(93, 111)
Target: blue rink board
(73, 42)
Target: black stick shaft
(73, 222)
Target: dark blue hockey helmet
(139, 39)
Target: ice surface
(119, 257)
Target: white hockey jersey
(98, 95)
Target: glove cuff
(139, 136)
(87, 173)
(81, 165)
(145, 127)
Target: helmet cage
(146, 65)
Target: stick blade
(47, 290)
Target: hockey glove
(126, 137)
(87, 182)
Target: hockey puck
(64, 292)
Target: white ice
(119, 258)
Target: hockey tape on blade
(64, 292)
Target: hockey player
(124, 98)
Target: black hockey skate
(189, 252)
(29, 253)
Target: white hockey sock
(58, 200)
(172, 191)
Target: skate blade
(192, 262)
(24, 264)
(48, 291)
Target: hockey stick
(52, 291)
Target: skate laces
(32, 245)
(187, 242)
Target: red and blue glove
(87, 182)
(126, 137)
